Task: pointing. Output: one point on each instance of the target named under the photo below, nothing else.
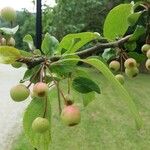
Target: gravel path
(10, 112)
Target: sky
(19, 4)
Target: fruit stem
(59, 100)
(41, 73)
(45, 109)
(69, 82)
(55, 82)
(29, 85)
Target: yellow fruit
(147, 64)
(114, 65)
(145, 48)
(3, 41)
(132, 72)
(40, 89)
(40, 125)
(11, 42)
(148, 54)
(130, 63)
(19, 93)
(70, 115)
(120, 78)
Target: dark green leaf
(36, 109)
(32, 74)
(109, 54)
(116, 23)
(139, 31)
(138, 57)
(130, 46)
(49, 44)
(85, 85)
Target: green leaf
(32, 74)
(49, 44)
(73, 42)
(85, 85)
(124, 94)
(116, 23)
(130, 46)
(133, 18)
(36, 109)
(9, 31)
(99, 65)
(64, 67)
(138, 57)
(109, 54)
(88, 98)
(9, 55)
(25, 53)
(139, 31)
(29, 40)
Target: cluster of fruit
(130, 65)
(70, 115)
(8, 14)
(9, 41)
(146, 51)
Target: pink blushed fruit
(71, 115)
(40, 89)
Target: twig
(33, 61)
(62, 94)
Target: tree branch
(31, 62)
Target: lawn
(106, 122)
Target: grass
(106, 122)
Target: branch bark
(31, 62)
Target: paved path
(10, 112)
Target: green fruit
(132, 72)
(3, 41)
(145, 48)
(114, 65)
(70, 115)
(130, 63)
(40, 125)
(11, 42)
(147, 64)
(120, 78)
(16, 64)
(148, 54)
(8, 14)
(40, 89)
(19, 93)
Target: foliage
(57, 62)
